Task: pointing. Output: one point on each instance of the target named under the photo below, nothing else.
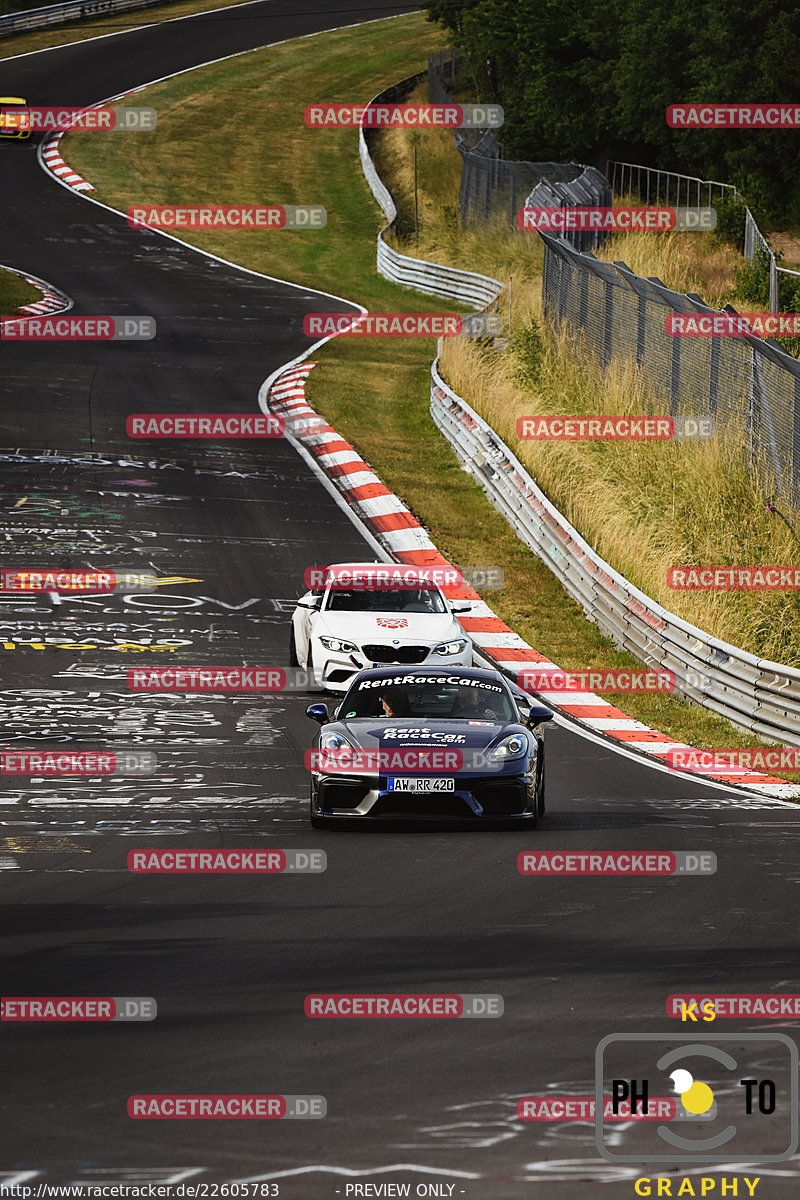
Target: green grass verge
(234, 132)
(14, 292)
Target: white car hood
(385, 628)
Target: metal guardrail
(753, 693)
(73, 10)
(467, 287)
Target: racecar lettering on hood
(393, 732)
(392, 622)
(429, 734)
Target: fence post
(563, 288)
(608, 322)
(584, 299)
(636, 284)
(796, 438)
(751, 403)
(713, 375)
(674, 376)
(547, 272)
(763, 412)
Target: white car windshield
(405, 600)
(478, 700)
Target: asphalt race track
(231, 959)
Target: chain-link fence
(751, 387)
(492, 188)
(588, 189)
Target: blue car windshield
(444, 698)
(396, 600)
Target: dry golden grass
(685, 262)
(644, 506)
(789, 244)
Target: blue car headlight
(513, 746)
(331, 740)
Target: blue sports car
(429, 743)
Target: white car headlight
(454, 647)
(338, 644)
(513, 746)
(334, 741)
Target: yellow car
(14, 124)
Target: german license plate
(426, 783)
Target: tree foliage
(584, 80)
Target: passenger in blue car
(472, 708)
(394, 703)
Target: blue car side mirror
(319, 713)
(539, 713)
